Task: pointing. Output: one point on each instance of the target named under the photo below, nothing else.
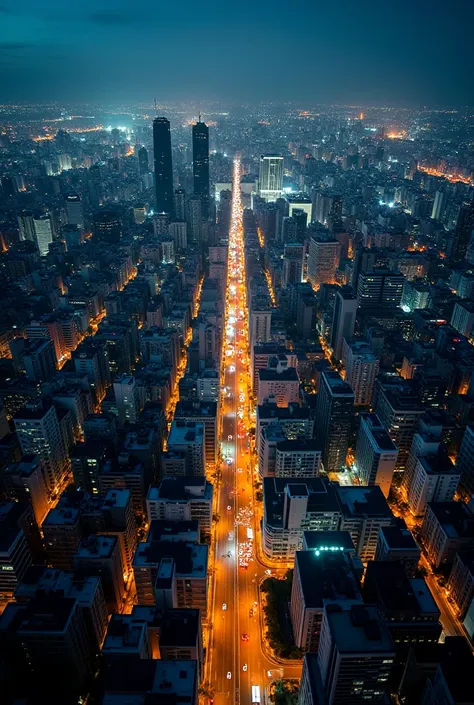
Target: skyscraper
(143, 160)
(201, 164)
(323, 258)
(462, 234)
(271, 176)
(74, 210)
(333, 419)
(344, 319)
(43, 233)
(163, 165)
(107, 226)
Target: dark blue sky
(397, 52)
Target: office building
(461, 582)
(143, 166)
(201, 165)
(295, 421)
(39, 360)
(127, 399)
(39, 433)
(323, 259)
(23, 481)
(434, 478)
(333, 419)
(343, 321)
(260, 320)
(163, 166)
(407, 605)
(396, 543)
(447, 529)
(270, 181)
(62, 533)
(188, 437)
(355, 655)
(100, 555)
(381, 287)
(181, 636)
(462, 318)
(462, 234)
(262, 354)
(292, 507)
(43, 233)
(361, 370)
(74, 210)
(439, 205)
(415, 295)
(465, 459)
(376, 454)
(279, 383)
(107, 226)
(320, 577)
(182, 499)
(46, 642)
(297, 458)
(15, 553)
(364, 510)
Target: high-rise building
(465, 459)
(334, 412)
(43, 233)
(26, 226)
(180, 204)
(439, 205)
(355, 654)
(344, 319)
(143, 166)
(201, 165)
(39, 433)
(39, 360)
(271, 176)
(362, 368)
(163, 166)
(107, 226)
(376, 454)
(462, 233)
(127, 399)
(323, 258)
(194, 217)
(74, 210)
(380, 288)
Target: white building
(435, 479)
(127, 399)
(362, 368)
(323, 258)
(43, 233)
(271, 176)
(188, 436)
(376, 454)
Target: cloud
(109, 17)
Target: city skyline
(364, 52)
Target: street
(236, 642)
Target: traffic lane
(222, 624)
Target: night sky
(405, 52)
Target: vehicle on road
(229, 437)
(229, 461)
(229, 675)
(251, 612)
(229, 508)
(268, 572)
(244, 668)
(224, 606)
(245, 637)
(255, 695)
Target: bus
(255, 695)
(250, 534)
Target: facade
(100, 555)
(181, 499)
(282, 384)
(188, 437)
(380, 288)
(434, 479)
(462, 233)
(447, 529)
(323, 258)
(396, 543)
(127, 399)
(201, 165)
(333, 419)
(376, 454)
(163, 166)
(271, 176)
(15, 555)
(297, 458)
(361, 370)
(344, 319)
(461, 582)
(465, 459)
(364, 511)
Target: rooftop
(190, 558)
(363, 501)
(325, 577)
(359, 629)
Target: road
(235, 586)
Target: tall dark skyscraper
(462, 234)
(201, 164)
(143, 160)
(163, 165)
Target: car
(229, 461)
(250, 612)
(229, 508)
(229, 675)
(268, 572)
(232, 368)
(224, 606)
(244, 667)
(245, 637)
(230, 437)
(229, 554)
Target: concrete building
(188, 437)
(292, 507)
(364, 510)
(202, 412)
(434, 479)
(39, 360)
(465, 459)
(182, 499)
(461, 582)
(447, 529)
(127, 399)
(333, 420)
(270, 180)
(343, 321)
(323, 259)
(396, 543)
(100, 555)
(298, 458)
(361, 370)
(294, 420)
(24, 482)
(279, 383)
(462, 318)
(320, 577)
(376, 454)
(15, 554)
(62, 534)
(262, 354)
